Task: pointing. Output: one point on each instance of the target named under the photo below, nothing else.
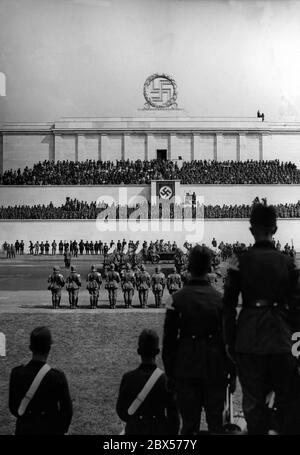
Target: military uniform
(143, 280)
(61, 247)
(22, 247)
(56, 283)
(67, 259)
(94, 281)
(112, 284)
(157, 415)
(128, 283)
(81, 247)
(73, 284)
(54, 245)
(194, 356)
(174, 282)
(50, 410)
(261, 338)
(158, 282)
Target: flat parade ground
(93, 347)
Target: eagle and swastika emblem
(160, 92)
(165, 192)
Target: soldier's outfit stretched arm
(172, 414)
(65, 404)
(170, 335)
(13, 399)
(230, 302)
(122, 401)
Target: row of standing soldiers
(73, 247)
(129, 280)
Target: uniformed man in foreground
(112, 284)
(73, 284)
(156, 414)
(56, 282)
(174, 281)
(260, 341)
(47, 409)
(158, 282)
(143, 281)
(128, 284)
(94, 281)
(193, 351)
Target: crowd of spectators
(75, 209)
(91, 172)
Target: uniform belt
(150, 417)
(264, 303)
(196, 336)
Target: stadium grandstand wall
(139, 138)
(227, 230)
(212, 194)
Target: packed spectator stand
(75, 209)
(92, 172)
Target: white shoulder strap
(145, 391)
(33, 388)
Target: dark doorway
(161, 154)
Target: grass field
(93, 351)
(93, 347)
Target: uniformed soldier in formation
(260, 341)
(128, 284)
(174, 281)
(112, 284)
(56, 282)
(73, 284)
(31, 247)
(50, 409)
(22, 245)
(47, 247)
(17, 246)
(94, 281)
(193, 351)
(36, 247)
(157, 414)
(81, 247)
(61, 247)
(158, 282)
(54, 245)
(143, 280)
(67, 258)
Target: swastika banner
(165, 190)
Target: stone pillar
(196, 147)
(150, 150)
(104, 147)
(170, 152)
(51, 147)
(58, 147)
(261, 147)
(100, 147)
(125, 146)
(241, 146)
(218, 149)
(80, 148)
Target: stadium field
(93, 347)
